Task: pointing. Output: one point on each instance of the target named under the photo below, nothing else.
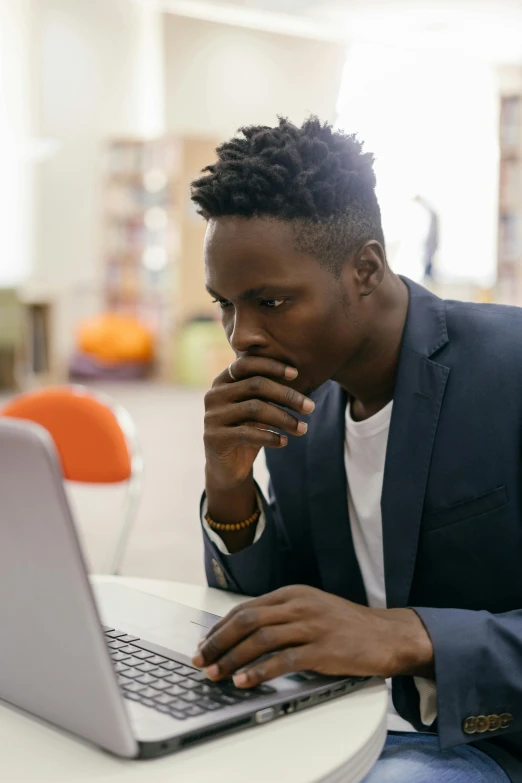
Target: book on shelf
(134, 157)
(510, 247)
(510, 184)
(511, 125)
(509, 268)
(139, 228)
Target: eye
(223, 303)
(272, 303)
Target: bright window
(431, 119)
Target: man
(391, 544)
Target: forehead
(243, 253)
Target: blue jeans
(416, 758)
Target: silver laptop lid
(53, 657)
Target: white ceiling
(488, 28)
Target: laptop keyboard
(166, 685)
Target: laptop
(108, 663)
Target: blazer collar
(425, 331)
(419, 392)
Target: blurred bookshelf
(509, 280)
(153, 239)
(140, 233)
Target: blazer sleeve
(478, 672)
(262, 567)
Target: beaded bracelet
(233, 528)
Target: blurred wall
(16, 130)
(509, 79)
(98, 73)
(219, 77)
(431, 120)
(108, 68)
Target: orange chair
(96, 443)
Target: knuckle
(210, 397)
(208, 419)
(300, 606)
(228, 663)
(210, 429)
(212, 444)
(254, 408)
(286, 592)
(246, 620)
(255, 675)
(233, 613)
(289, 658)
(211, 649)
(264, 637)
(290, 423)
(243, 434)
(256, 384)
(291, 397)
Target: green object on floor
(11, 336)
(10, 318)
(202, 352)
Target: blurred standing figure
(431, 242)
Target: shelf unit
(509, 281)
(140, 232)
(153, 237)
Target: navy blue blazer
(451, 511)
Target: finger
(247, 366)
(275, 598)
(255, 435)
(248, 617)
(258, 387)
(259, 412)
(292, 659)
(238, 627)
(265, 640)
(222, 438)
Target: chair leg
(129, 518)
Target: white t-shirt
(365, 455)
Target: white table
(337, 741)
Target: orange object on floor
(95, 440)
(115, 337)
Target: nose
(247, 334)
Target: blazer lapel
(418, 396)
(329, 522)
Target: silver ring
(231, 373)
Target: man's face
(280, 303)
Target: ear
(369, 267)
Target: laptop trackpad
(154, 619)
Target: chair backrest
(88, 435)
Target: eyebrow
(251, 293)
